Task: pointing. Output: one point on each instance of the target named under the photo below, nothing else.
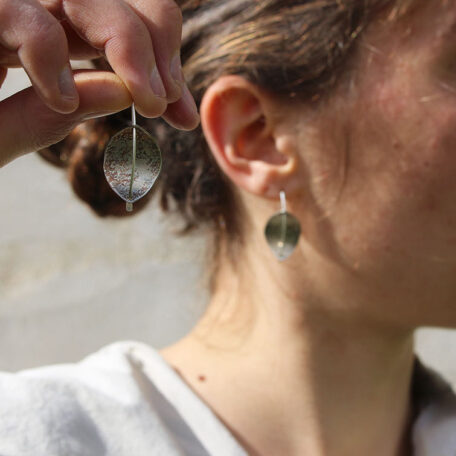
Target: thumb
(27, 124)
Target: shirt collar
(434, 402)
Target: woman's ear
(239, 124)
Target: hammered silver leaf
(118, 164)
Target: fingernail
(66, 83)
(95, 115)
(157, 84)
(175, 68)
(189, 102)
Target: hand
(141, 41)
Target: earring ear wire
(283, 202)
(282, 231)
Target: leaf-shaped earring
(282, 231)
(132, 162)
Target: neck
(301, 380)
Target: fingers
(163, 19)
(40, 42)
(27, 124)
(113, 26)
(141, 40)
(183, 114)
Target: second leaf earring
(282, 231)
(132, 162)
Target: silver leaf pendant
(282, 234)
(132, 163)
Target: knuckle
(50, 135)
(126, 35)
(27, 23)
(47, 31)
(50, 128)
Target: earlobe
(238, 124)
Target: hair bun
(82, 153)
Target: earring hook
(283, 202)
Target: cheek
(402, 178)
(417, 137)
(429, 161)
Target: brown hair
(294, 48)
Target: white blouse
(125, 400)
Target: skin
(314, 355)
(138, 39)
(319, 347)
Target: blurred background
(71, 282)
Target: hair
(293, 48)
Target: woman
(348, 108)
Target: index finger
(113, 26)
(29, 30)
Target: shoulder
(69, 409)
(103, 371)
